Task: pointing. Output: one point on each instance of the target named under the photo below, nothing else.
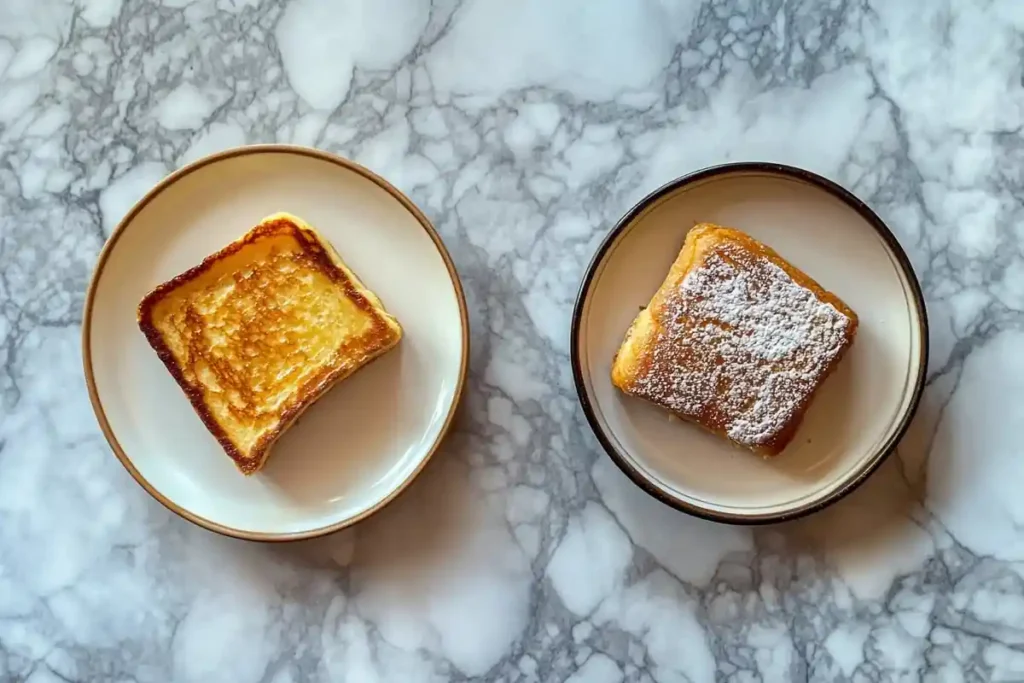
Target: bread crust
(636, 371)
(384, 332)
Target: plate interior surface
(361, 442)
(858, 408)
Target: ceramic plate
(860, 412)
(361, 443)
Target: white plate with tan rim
(857, 416)
(359, 445)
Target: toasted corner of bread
(258, 331)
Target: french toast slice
(736, 340)
(258, 331)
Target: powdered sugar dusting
(741, 346)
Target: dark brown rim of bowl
(111, 243)
(856, 477)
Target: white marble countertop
(524, 129)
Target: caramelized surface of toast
(736, 340)
(261, 329)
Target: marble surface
(523, 129)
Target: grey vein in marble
(523, 129)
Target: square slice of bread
(736, 340)
(259, 331)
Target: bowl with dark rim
(856, 417)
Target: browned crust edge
(687, 258)
(90, 296)
(379, 339)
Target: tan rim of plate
(111, 242)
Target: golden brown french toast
(736, 340)
(259, 331)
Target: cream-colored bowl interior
(853, 415)
(360, 443)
